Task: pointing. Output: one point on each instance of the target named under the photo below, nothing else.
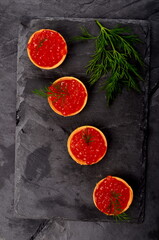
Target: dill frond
(112, 58)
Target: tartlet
(87, 145)
(47, 49)
(67, 96)
(112, 195)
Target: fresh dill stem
(112, 59)
(87, 137)
(121, 217)
(115, 206)
(41, 43)
(58, 92)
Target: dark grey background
(11, 13)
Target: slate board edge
(143, 180)
(146, 118)
(136, 21)
(16, 132)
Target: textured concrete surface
(11, 12)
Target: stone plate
(48, 183)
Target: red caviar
(47, 48)
(69, 96)
(87, 145)
(112, 195)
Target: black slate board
(48, 183)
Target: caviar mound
(112, 195)
(68, 96)
(47, 49)
(87, 145)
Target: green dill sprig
(115, 207)
(122, 217)
(113, 56)
(40, 44)
(85, 35)
(57, 92)
(86, 136)
(42, 92)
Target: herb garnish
(57, 92)
(115, 207)
(41, 43)
(86, 136)
(122, 217)
(112, 58)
